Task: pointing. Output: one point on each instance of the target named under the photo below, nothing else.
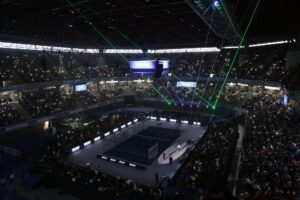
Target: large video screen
(147, 67)
(186, 84)
(79, 88)
(285, 100)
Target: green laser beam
(217, 83)
(195, 91)
(192, 90)
(216, 58)
(117, 30)
(236, 53)
(202, 57)
(122, 34)
(155, 89)
(179, 99)
(167, 91)
(96, 29)
(158, 92)
(114, 46)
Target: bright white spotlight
(217, 4)
(115, 130)
(75, 149)
(87, 143)
(97, 138)
(172, 120)
(121, 162)
(132, 165)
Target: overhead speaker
(158, 69)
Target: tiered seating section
(270, 162)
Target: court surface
(87, 156)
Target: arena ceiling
(136, 23)
(275, 19)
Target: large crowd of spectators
(8, 114)
(77, 130)
(55, 99)
(184, 95)
(86, 98)
(7, 75)
(265, 65)
(270, 154)
(32, 67)
(270, 161)
(46, 101)
(207, 167)
(54, 160)
(259, 64)
(52, 100)
(200, 171)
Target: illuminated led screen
(79, 88)
(285, 100)
(147, 67)
(186, 84)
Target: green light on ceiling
(236, 53)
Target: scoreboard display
(80, 88)
(186, 84)
(147, 67)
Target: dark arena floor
(135, 149)
(135, 141)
